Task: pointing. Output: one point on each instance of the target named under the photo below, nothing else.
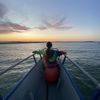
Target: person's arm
(63, 52)
(38, 52)
(59, 53)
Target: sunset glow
(49, 20)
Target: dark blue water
(86, 54)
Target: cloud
(64, 27)
(40, 27)
(17, 26)
(8, 26)
(59, 24)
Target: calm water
(86, 54)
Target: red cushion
(51, 74)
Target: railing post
(34, 59)
(64, 60)
(40, 56)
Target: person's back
(51, 55)
(51, 71)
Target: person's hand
(65, 53)
(34, 52)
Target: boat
(33, 86)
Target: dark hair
(49, 45)
(48, 51)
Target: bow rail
(96, 95)
(3, 72)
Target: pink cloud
(54, 24)
(8, 26)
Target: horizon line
(1, 42)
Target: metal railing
(96, 95)
(32, 55)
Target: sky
(49, 20)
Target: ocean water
(86, 54)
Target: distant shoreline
(52, 41)
(18, 42)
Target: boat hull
(34, 87)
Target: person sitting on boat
(51, 65)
